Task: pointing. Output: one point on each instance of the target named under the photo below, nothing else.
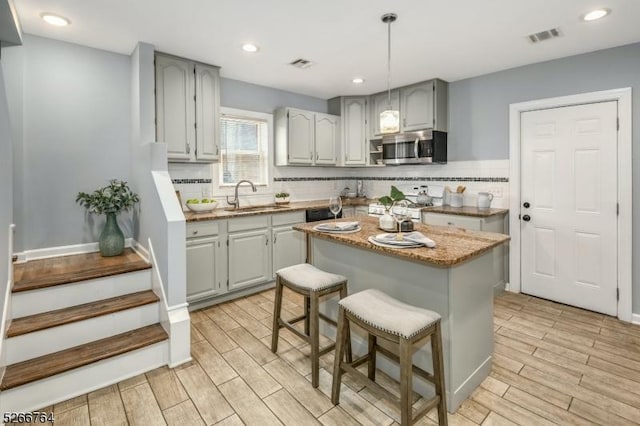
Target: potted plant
(110, 200)
(386, 221)
(282, 198)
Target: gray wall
(6, 187)
(251, 97)
(76, 132)
(479, 109)
(479, 106)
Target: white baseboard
(49, 252)
(141, 250)
(635, 319)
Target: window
(244, 148)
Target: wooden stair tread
(69, 359)
(58, 317)
(43, 273)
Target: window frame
(228, 188)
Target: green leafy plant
(282, 195)
(113, 198)
(388, 200)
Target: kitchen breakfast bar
(455, 279)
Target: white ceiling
(452, 39)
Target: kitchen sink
(267, 207)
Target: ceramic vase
(111, 240)
(386, 221)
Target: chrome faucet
(236, 201)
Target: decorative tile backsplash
(193, 180)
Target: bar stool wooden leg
(277, 309)
(343, 294)
(406, 381)
(306, 314)
(373, 340)
(438, 371)
(315, 339)
(338, 356)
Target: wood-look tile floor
(553, 364)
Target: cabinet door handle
(450, 223)
(217, 149)
(266, 243)
(317, 156)
(194, 232)
(274, 239)
(310, 155)
(188, 148)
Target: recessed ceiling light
(250, 47)
(56, 20)
(358, 80)
(596, 14)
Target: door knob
(526, 205)
(526, 218)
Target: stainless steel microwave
(424, 147)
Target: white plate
(392, 241)
(319, 228)
(378, 243)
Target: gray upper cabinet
(379, 103)
(326, 138)
(207, 112)
(416, 111)
(305, 138)
(175, 112)
(187, 109)
(424, 106)
(353, 112)
(301, 136)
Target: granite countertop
(453, 245)
(221, 213)
(465, 211)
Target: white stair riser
(61, 387)
(50, 340)
(33, 302)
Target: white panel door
(354, 123)
(249, 258)
(569, 183)
(326, 138)
(175, 110)
(207, 112)
(289, 247)
(300, 136)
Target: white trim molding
(46, 253)
(174, 319)
(635, 319)
(625, 263)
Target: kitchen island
(454, 279)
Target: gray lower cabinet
(206, 260)
(495, 223)
(249, 251)
(289, 246)
(224, 256)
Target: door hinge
(227, 242)
(617, 209)
(617, 294)
(617, 124)
(227, 282)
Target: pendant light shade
(389, 118)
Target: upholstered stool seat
(382, 316)
(312, 283)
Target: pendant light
(389, 118)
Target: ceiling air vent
(544, 35)
(301, 63)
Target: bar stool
(382, 316)
(312, 283)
